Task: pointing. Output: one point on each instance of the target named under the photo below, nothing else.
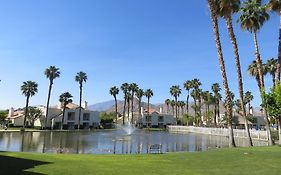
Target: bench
(156, 149)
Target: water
(110, 142)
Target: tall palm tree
(225, 9)
(114, 91)
(51, 73)
(28, 89)
(148, 93)
(271, 68)
(134, 89)
(248, 98)
(253, 15)
(80, 77)
(187, 85)
(214, 19)
(65, 99)
(175, 91)
(217, 97)
(168, 102)
(275, 5)
(125, 89)
(139, 95)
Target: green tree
(29, 89)
(248, 98)
(214, 18)
(253, 15)
(80, 77)
(125, 89)
(217, 98)
(65, 99)
(168, 103)
(114, 91)
(272, 103)
(139, 95)
(271, 68)
(134, 88)
(148, 93)
(175, 91)
(3, 115)
(51, 73)
(33, 115)
(188, 86)
(275, 5)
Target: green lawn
(238, 161)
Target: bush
(22, 129)
(107, 117)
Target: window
(86, 116)
(160, 119)
(148, 118)
(71, 116)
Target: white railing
(240, 133)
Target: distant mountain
(103, 106)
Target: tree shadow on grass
(16, 166)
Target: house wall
(19, 121)
(155, 122)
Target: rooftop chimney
(85, 105)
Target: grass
(236, 161)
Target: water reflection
(111, 142)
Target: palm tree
(181, 105)
(29, 89)
(139, 95)
(51, 73)
(248, 98)
(134, 89)
(65, 99)
(114, 91)
(253, 71)
(271, 68)
(125, 89)
(217, 97)
(187, 85)
(168, 102)
(226, 9)
(173, 104)
(275, 5)
(253, 15)
(148, 93)
(175, 91)
(214, 19)
(80, 77)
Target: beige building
(156, 120)
(89, 119)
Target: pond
(111, 142)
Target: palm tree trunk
(148, 105)
(48, 103)
(62, 120)
(26, 111)
(279, 129)
(223, 72)
(168, 109)
(249, 106)
(116, 112)
(215, 116)
(239, 76)
(200, 111)
(187, 105)
(279, 52)
(132, 108)
(262, 90)
(139, 108)
(218, 108)
(128, 103)
(80, 104)
(124, 109)
(176, 99)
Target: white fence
(240, 133)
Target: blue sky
(154, 43)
